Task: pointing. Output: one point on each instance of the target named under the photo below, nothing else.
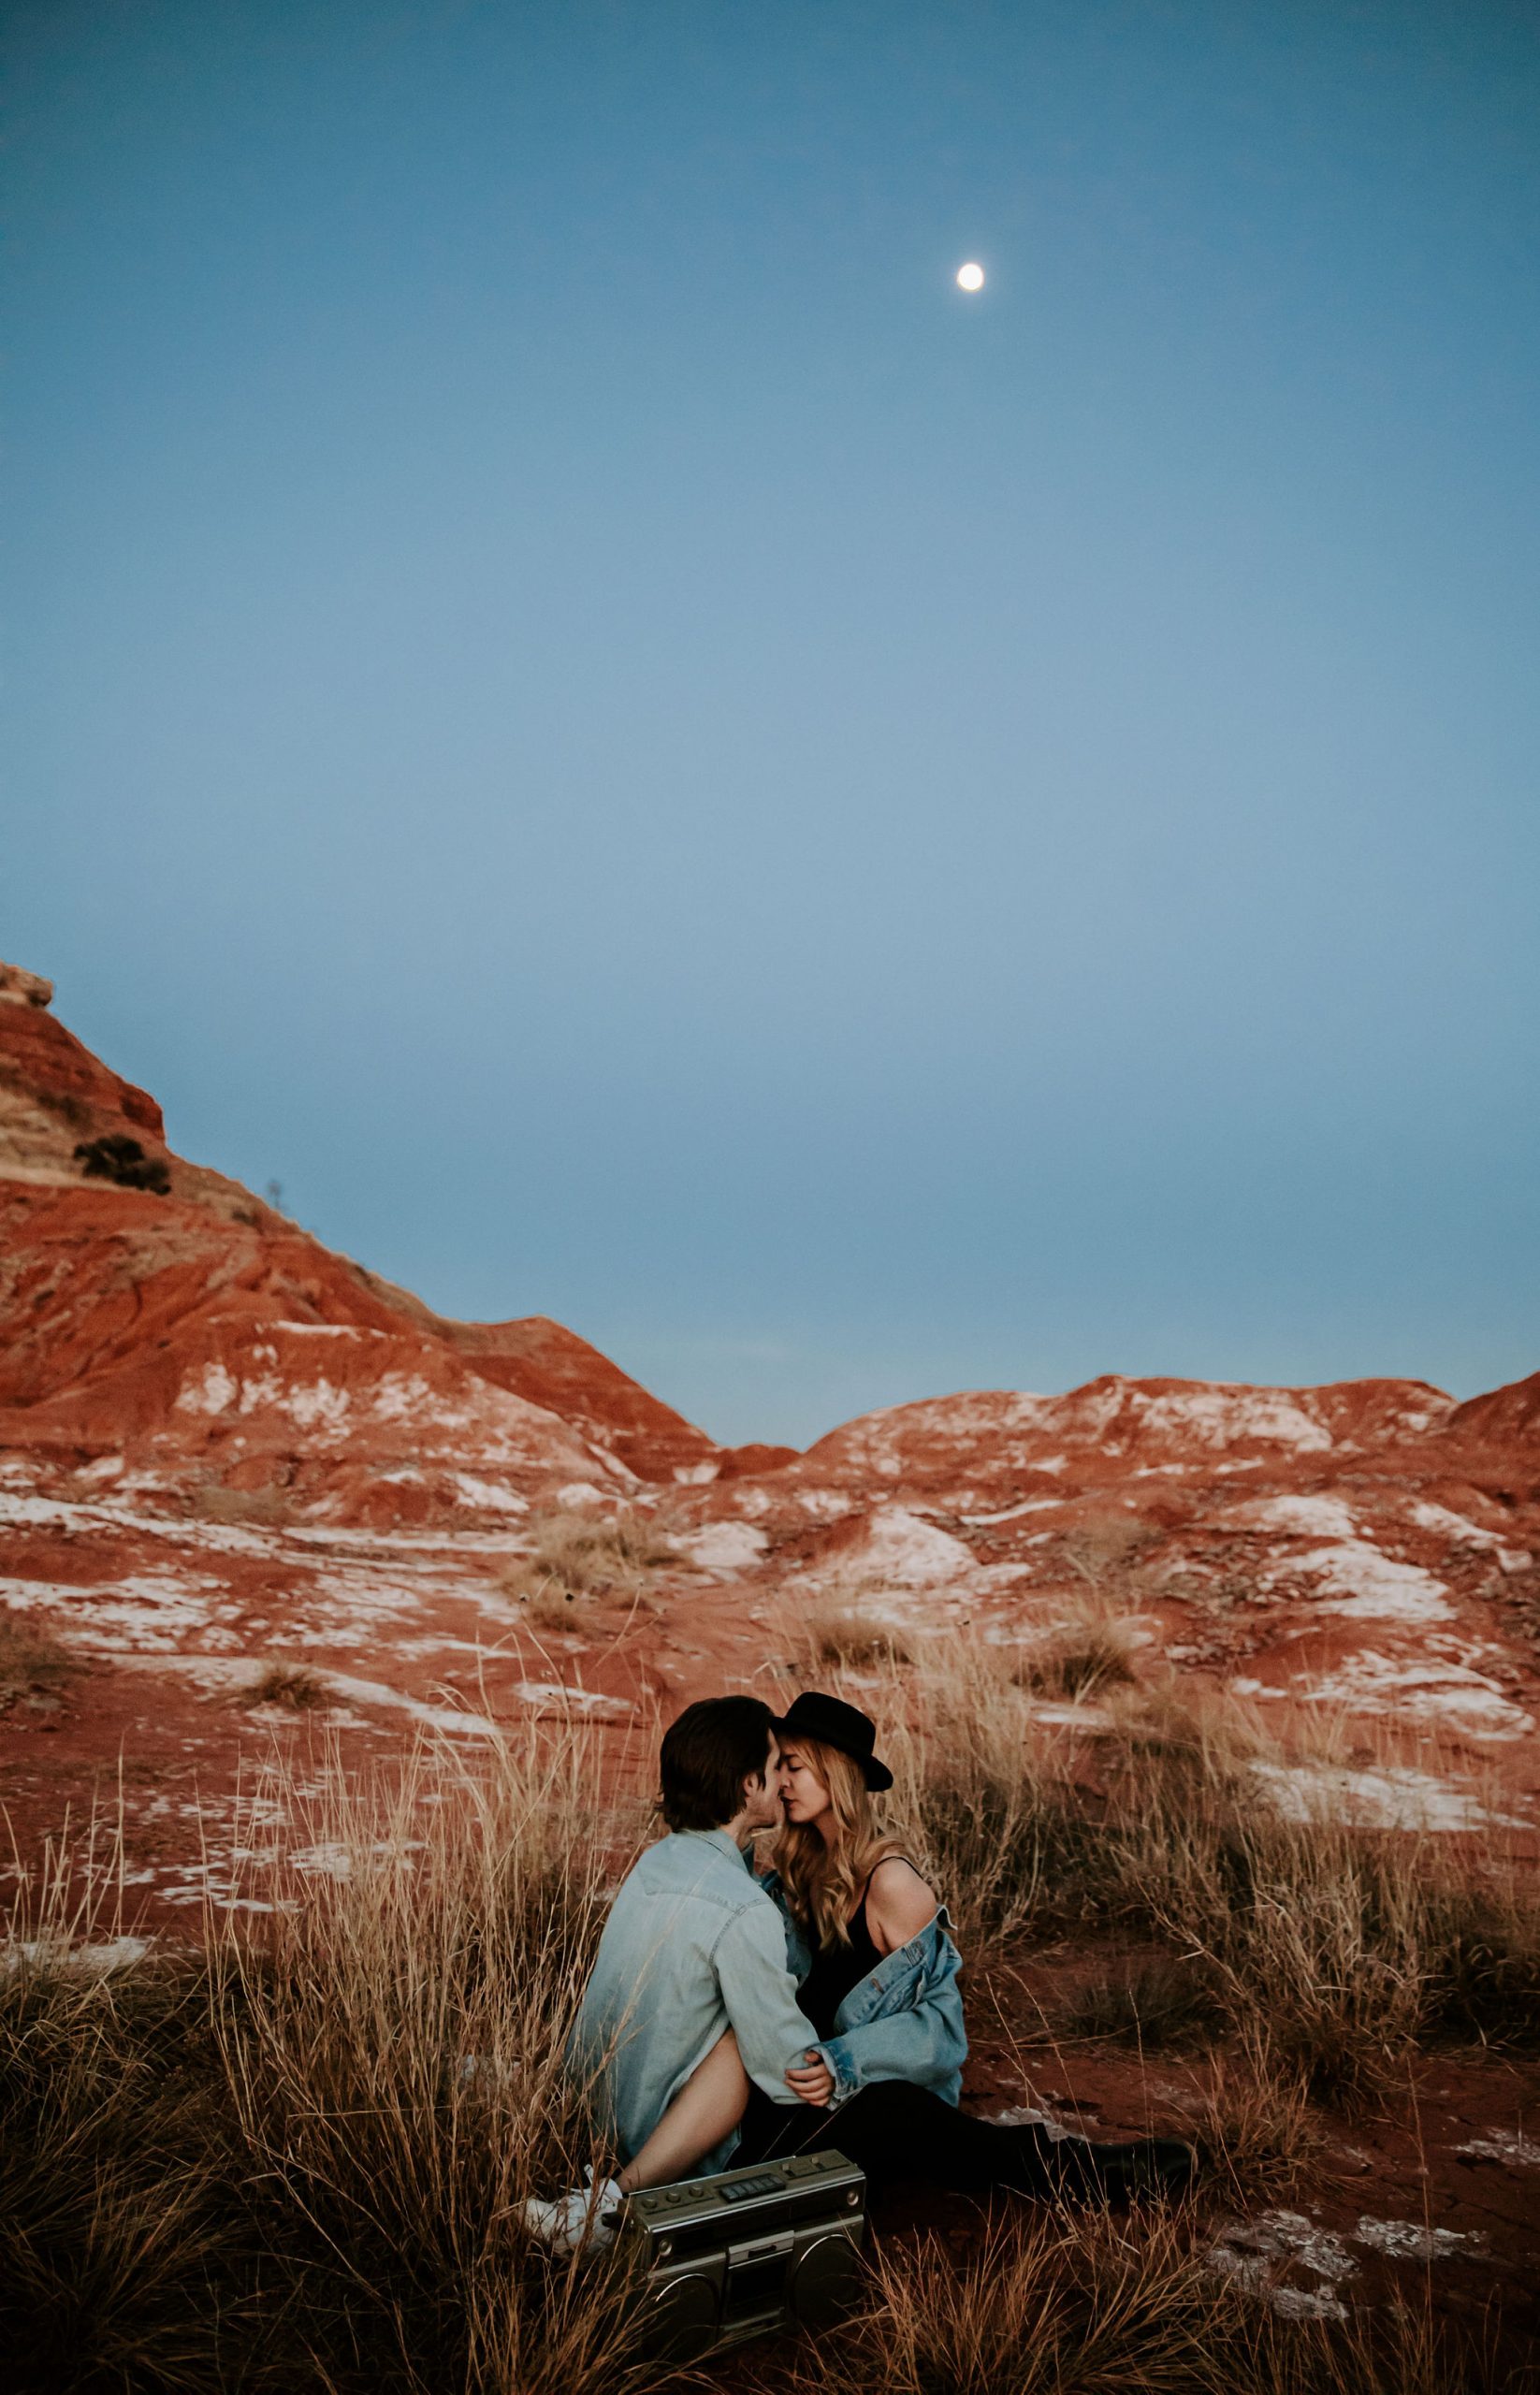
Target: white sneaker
(583, 2217)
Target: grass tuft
(834, 1628)
(292, 1686)
(586, 1558)
(34, 1669)
(1153, 2001)
(1092, 2305)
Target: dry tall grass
(34, 1669)
(299, 2156)
(295, 2156)
(1091, 2306)
(836, 1627)
(1353, 1942)
(1093, 1646)
(587, 1556)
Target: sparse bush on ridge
(576, 1556)
(122, 1160)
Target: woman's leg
(707, 2108)
(894, 2130)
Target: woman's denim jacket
(903, 2020)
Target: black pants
(893, 2131)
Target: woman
(872, 1950)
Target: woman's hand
(812, 2081)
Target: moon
(970, 277)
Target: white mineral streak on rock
(145, 1610)
(489, 1496)
(1372, 1587)
(1222, 1418)
(725, 1547)
(1511, 2146)
(214, 1391)
(1296, 1517)
(1453, 1526)
(573, 1700)
(91, 1961)
(824, 1505)
(1432, 1690)
(1395, 1797)
(320, 1406)
(900, 1547)
(1409, 2241)
(328, 1859)
(1253, 2252)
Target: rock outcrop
(156, 1312)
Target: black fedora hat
(832, 1722)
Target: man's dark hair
(707, 1754)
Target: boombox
(776, 2246)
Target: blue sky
(572, 701)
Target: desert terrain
(268, 1524)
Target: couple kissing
(740, 2013)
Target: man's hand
(812, 2081)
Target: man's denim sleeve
(772, 2032)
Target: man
(693, 1948)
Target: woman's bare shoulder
(899, 1902)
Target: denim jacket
(693, 1945)
(903, 2020)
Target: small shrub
(117, 1158)
(1091, 1650)
(210, 1502)
(1105, 1548)
(834, 1629)
(1255, 2128)
(1150, 2002)
(289, 1685)
(34, 1669)
(578, 1556)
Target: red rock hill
(155, 1310)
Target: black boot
(1111, 2173)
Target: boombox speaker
(745, 2252)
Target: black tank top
(837, 1969)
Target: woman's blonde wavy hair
(822, 1880)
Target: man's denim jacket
(693, 1946)
(903, 2020)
